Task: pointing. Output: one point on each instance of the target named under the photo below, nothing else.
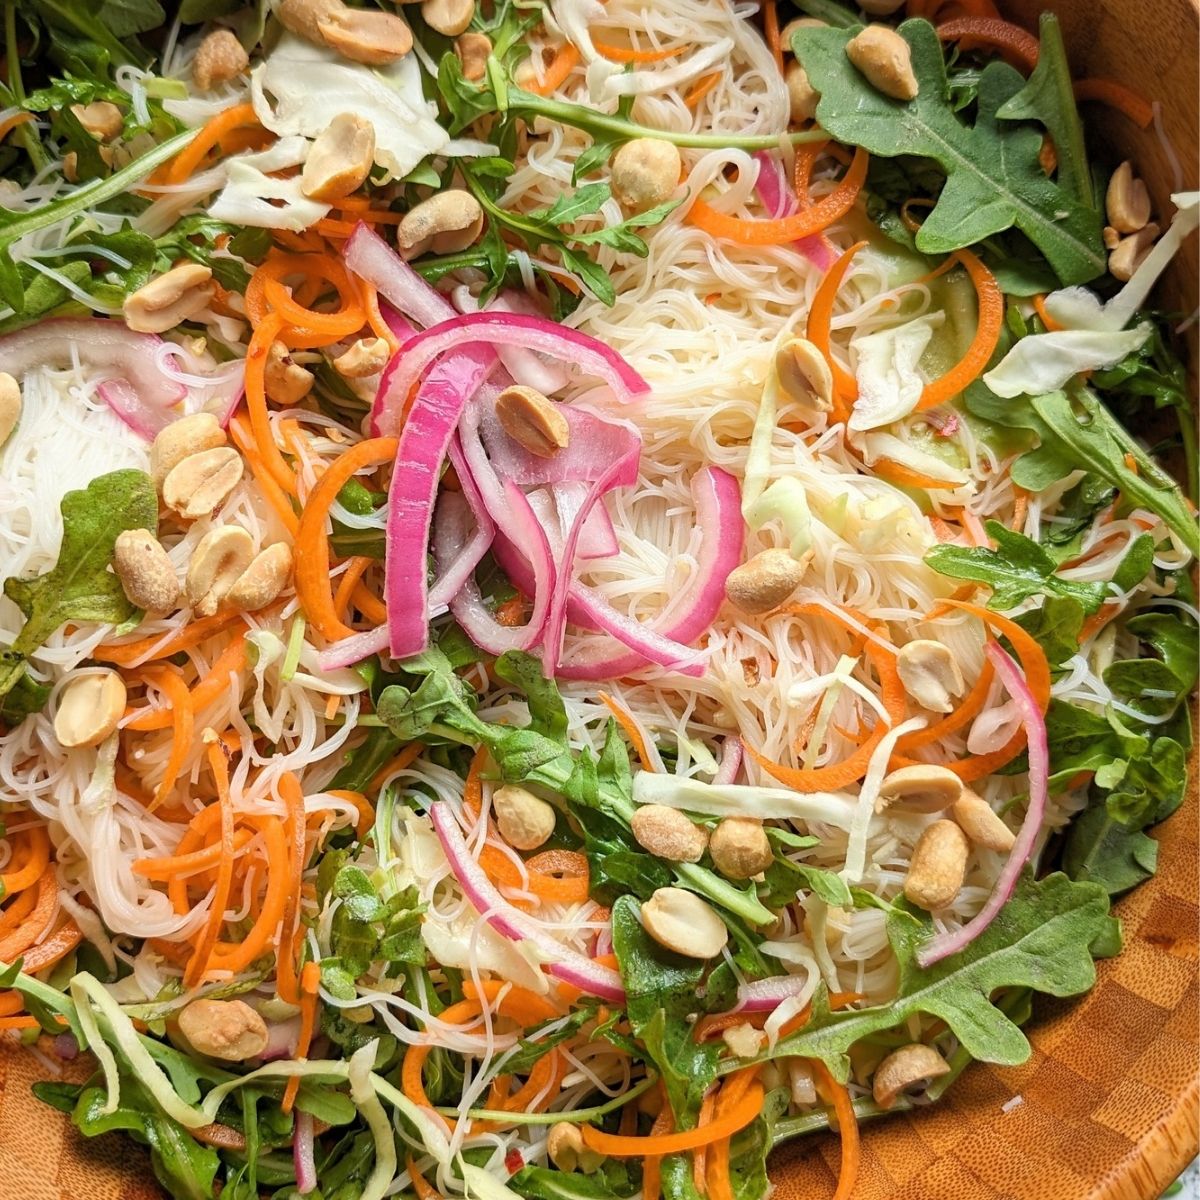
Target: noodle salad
(587, 586)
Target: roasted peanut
(979, 821)
(102, 119)
(189, 435)
(930, 674)
(1127, 201)
(450, 17)
(922, 788)
(903, 1068)
(70, 166)
(304, 17)
(340, 159)
(532, 421)
(667, 833)
(226, 1029)
(1130, 252)
(89, 708)
(10, 405)
(885, 60)
(220, 58)
(262, 580)
(802, 96)
(565, 1149)
(645, 173)
(473, 50)
(446, 223)
(165, 301)
(804, 375)
(366, 357)
(199, 484)
(938, 865)
(744, 1041)
(147, 577)
(285, 381)
(799, 23)
(361, 35)
(217, 563)
(1111, 238)
(681, 921)
(764, 582)
(740, 848)
(525, 820)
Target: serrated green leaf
(993, 177)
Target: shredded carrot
(1039, 306)
(183, 718)
(565, 61)
(652, 1166)
(310, 980)
(820, 320)
(543, 874)
(11, 123)
(719, 1185)
(169, 866)
(987, 335)
(286, 981)
(366, 811)
(779, 231)
(198, 964)
(512, 612)
(312, 542)
(370, 303)
(52, 949)
(17, 908)
(1020, 508)
(1130, 462)
(1017, 45)
(1116, 95)
(18, 940)
(632, 729)
(847, 1125)
(370, 605)
(628, 54)
(192, 634)
(896, 472)
(738, 1117)
(355, 569)
(20, 1023)
(230, 662)
(275, 495)
(192, 155)
(349, 319)
(37, 845)
(708, 1107)
(702, 88)
(420, 1183)
(264, 337)
(771, 30)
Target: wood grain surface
(1110, 1099)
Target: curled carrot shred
(633, 730)
(198, 963)
(192, 155)
(701, 89)
(983, 344)
(310, 979)
(847, 1126)
(1116, 95)
(779, 231)
(629, 54)
(820, 319)
(230, 661)
(565, 61)
(1017, 45)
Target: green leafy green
(660, 996)
(1048, 97)
(1055, 625)
(1017, 569)
(1040, 939)
(1076, 431)
(80, 586)
(993, 177)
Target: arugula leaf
(1056, 627)
(1048, 97)
(1102, 850)
(1077, 431)
(80, 587)
(612, 1181)
(1063, 534)
(1017, 569)
(993, 177)
(660, 996)
(1040, 939)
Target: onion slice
(454, 570)
(731, 761)
(776, 197)
(562, 962)
(135, 387)
(766, 995)
(945, 944)
(592, 357)
(303, 1153)
(372, 259)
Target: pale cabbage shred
(701, 321)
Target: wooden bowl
(1110, 1099)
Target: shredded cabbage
(889, 383)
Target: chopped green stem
(603, 124)
(574, 1116)
(865, 1109)
(1187, 433)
